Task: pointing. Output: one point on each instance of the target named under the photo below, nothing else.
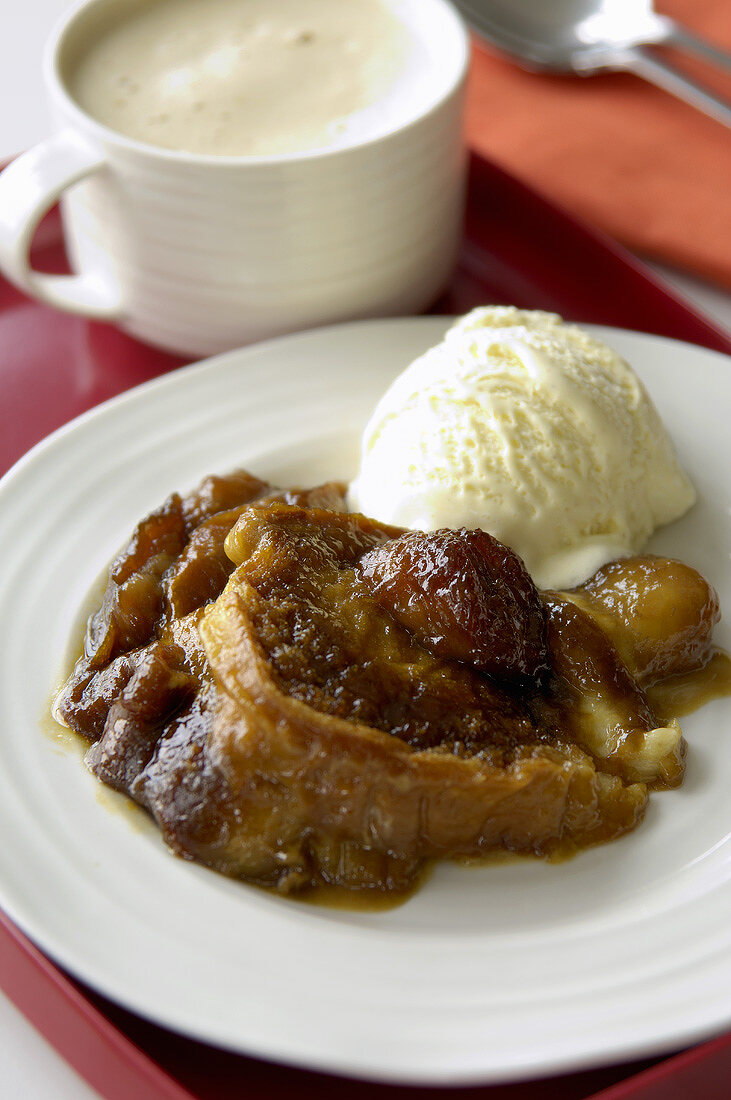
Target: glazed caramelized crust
(463, 596)
(300, 696)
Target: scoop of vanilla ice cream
(532, 430)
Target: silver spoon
(588, 36)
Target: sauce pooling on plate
(247, 77)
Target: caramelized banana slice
(202, 569)
(660, 614)
(220, 494)
(603, 708)
(464, 596)
(133, 598)
(137, 588)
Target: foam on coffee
(249, 77)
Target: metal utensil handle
(679, 36)
(641, 61)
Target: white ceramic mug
(200, 253)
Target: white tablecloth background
(29, 1068)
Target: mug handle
(29, 187)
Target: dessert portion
(532, 430)
(301, 696)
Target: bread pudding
(303, 697)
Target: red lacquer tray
(517, 249)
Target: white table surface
(29, 1068)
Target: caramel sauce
(684, 694)
(376, 900)
(66, 739)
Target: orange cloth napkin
(631, 159)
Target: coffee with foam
(250, 77)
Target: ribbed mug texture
(207, 253)
(210, 256)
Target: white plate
(487, 974)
